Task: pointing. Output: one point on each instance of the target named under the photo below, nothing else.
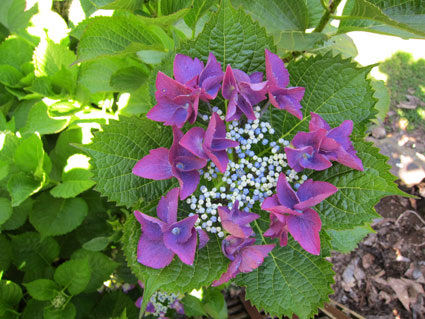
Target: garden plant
(152, 148)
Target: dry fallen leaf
(406, 290)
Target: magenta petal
(256, 77)
(219, 158)
(188, 182)
(317, 122)
(192, 141)
(189, 163)
(163, 111)
(151, 226)
(341, 134)
(210, 78)
(153, 253)
(222, 144)
(349, 160)
(270, 202)
(313, 139)
(305, 230)
(245, 106)
(317, 162)
(278, 229)
(167, 87)
(229, 87)
(203, 238)
(181, 231)
(311, 193)
(184, 250)
(285, 194)
(185, 69)
(167, 206)
(155, 165)
(276, 73)
(253, 257)
(295, 157)
(230, 273)
(287, 99)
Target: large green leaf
(5, 210)
(54, 216)
(10, 295)
(283, 15)
(358, 192)
(335, 88)
(234, 38)
(209, 264)
(13, 14)
(116, 4)
(290, 281)
(42, 289)
(405, 19)
(74, 275)
(346, 240)
(117, 149)
(198, 9)
(117, 35)
(5, 253)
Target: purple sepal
(245, 256)
(162, 238)
(278, 79)
(291, 212)
(154, 166)
(243, 92)
(203, 238)
(236, 222)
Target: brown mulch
(385, 276)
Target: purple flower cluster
(200, 149)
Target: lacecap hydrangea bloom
(231, 167)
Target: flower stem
(264, 110)
(327, 16)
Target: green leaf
(358, 192)
(68, 312)
(199, 9)
(335, 88)
(117, 35)
(97, 243)
(128, 79)
(102, 265)
(5, 253)
(74, 275)
(297, 40)
(21, 186)
(39, 120)
(63, 148)
(29, 155)
(193, 307)
(5, 210)
(282, 15)
(21, 49)
(233, 38)
(214, 303)
(14, 16)
(30, 253)
(19, 215)
(209, 264)
(290, 281)
(42, 289)
(136, 103)
(383, 95)
(346, 240)
(166, 20)
(338, 44)
(116, 4)
(113, 304)
(53, 216)
(10, 295)
(9, 75)
(34, 309)
(405, 19)
(117, 149)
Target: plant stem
(264, 109)
(326, 16)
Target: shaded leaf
(74, 275)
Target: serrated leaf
(214, 303)
(166, 20)
(338, 44)
(282, 15)
(117, 149)
(136, 103)
(193, 307)
(9, 75)
(63, 148)
(128, 79)
(21, 186)
(335, 88)
(346, 240)
(39, 120)
(29, 155)
(19, 216)
(102, 267)
(117, 35)
(383, 95)
(5, 253)
(34, 309)
(197, 11)
(5, 210)
(290, 281)
(297, 40)
(74, 275)
(209, 264)
(22, 52)
(116, 4)
(233, 37)
(30, 253)
(400, 18)
(10, 295)
(68, 312)
(97, 243)
(54, 216)
(13, 14)
(358, 192)
(42, 289)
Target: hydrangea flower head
(236, 222)
(280, 96)
(165, 237)
(211, 143)
(345, 154)
(177, 162)
(292, 210)
(245, 256)
(243, 92)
